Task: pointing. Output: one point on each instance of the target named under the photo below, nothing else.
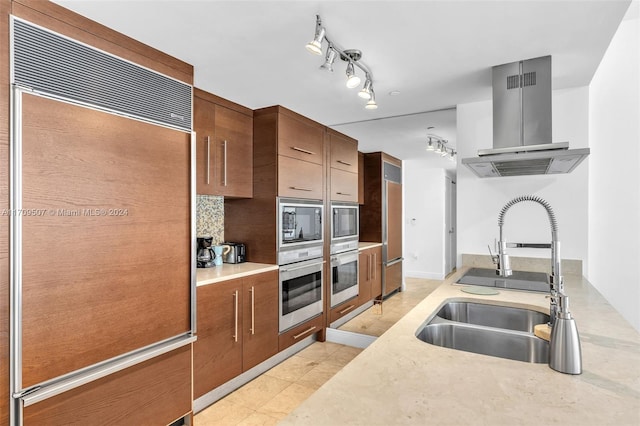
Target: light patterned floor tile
(222, 413)
(286, 401)
(319, 351)
(257, 392)
(292, 369)
(319, 375)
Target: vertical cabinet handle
(375, 261)
(208, 158)
(253, 310)
(235, 314)
(224, 181)
(368, 267)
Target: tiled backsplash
(210, 217)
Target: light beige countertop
(228, 271)
(363, 245)
(400, 380)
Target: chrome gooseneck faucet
(564, 350)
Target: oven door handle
(309, 265)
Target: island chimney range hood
(522, 125)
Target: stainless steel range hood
(522, 125)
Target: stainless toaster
(237, 254)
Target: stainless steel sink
(495, 330)
(496, 342)
(519, 280)
(493, 315)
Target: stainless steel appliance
(522, 125)
(237, 254)
(344, 227)
(300, 230)
(300, 292)
(344, 277)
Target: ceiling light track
(353, 59)
(438, 145)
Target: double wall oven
(344, 252)
(300, 256)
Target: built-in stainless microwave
(300, 230)
(344, 227)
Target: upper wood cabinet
(289, 150)
(343, 161)
(360, 178)
(224, 147)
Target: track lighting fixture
(439, 146)
(351, 56)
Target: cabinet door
(204, 125)
(344, 186)
(260, 318)
(233, 153)
(343, 309)
(376, 270)
(360, 178)
(217, 354)
(297, 139)
(299, 179)
(344, 153)
(365, 273)
(394, 220)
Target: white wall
(424, 204)
(480, 200)
(614, 178)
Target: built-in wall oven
(300, 292)
(344, 277)
(344, 227)
(300, 256)
(300, 230)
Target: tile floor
(272, 396)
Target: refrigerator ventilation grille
(50, 63)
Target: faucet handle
(494, 259)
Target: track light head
(372, 101)
(352, 79)
(330, 58)
(365, 93)
(430, 146)
(315, 45)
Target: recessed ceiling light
(394, 93)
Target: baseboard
(425, 275)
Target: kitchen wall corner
(210, 217)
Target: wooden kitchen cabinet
(343, 309)
(360, 178)
(343, 170)
(153, 392)
(224, 146)
(369, 274)
(237, 328)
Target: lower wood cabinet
(369, 274)
(302, 331)
(237, 328)
(343, 309)
(154, 392)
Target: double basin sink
(494, 330)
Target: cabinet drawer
(300, 140)
(301, 332)
(155, 392)
(344, 309)
(299, 179)
(344, 186)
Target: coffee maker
(206, 256)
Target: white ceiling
(437, 54)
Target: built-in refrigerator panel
(392, 228)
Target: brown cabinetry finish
(360, 178)
(393, 277)
(237, 329)
(299, 179)
(97, 275)
(369, 275)
(344, 186)
(344, 152)
(155, 392)
(224, 150)
(260, 319)
(217, 354)
(394, 220)
(300, 139)
(301, 332)
(343, 309)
